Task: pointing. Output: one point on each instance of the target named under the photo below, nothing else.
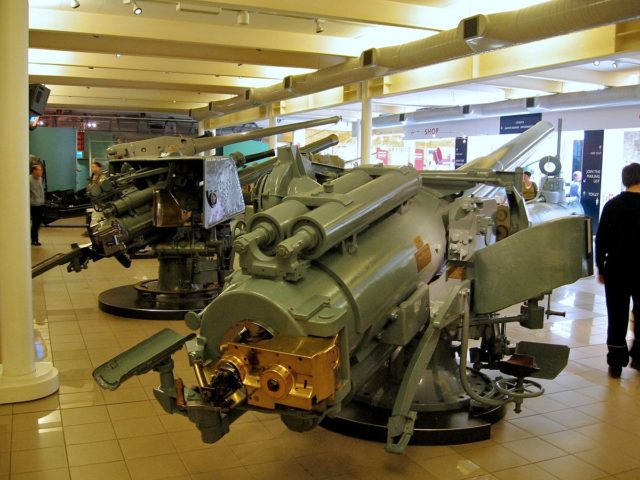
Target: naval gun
(356, 302)
(160, 194)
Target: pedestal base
(431, 428)
(42, 382)
(126, 301)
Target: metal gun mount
(357, 299)
(159, 194)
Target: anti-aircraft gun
(356, 301)
(160, 194)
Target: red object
(382, 155)
(419, 159)
(80, 141)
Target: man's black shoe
(615, 372)
(37, 244)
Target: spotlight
(614, 65)
(243, 17)
(136, 8)
(319, 28)
(74, 3)
(596, 62)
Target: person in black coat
(618, 262)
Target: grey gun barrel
(507, 157)
(320, 145)
(186, 146)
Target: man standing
(575, 188)
(618, 261)
(36, 196)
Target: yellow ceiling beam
(223, 92)
(377, 12)
(141, 28)
(79, 103)
(155, 64)
(196, 83)
(118, 94)
(534, 59)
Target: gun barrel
(320, 145)
(207, 143)
(508, 156)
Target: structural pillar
(273, 139)
(366, 124)
(21, 377)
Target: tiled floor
(585, 427)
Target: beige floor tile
(37, 439)
(125, 395)
(34, 421)
(238, 473)
(451, 467)
(5, 463)
(502, 432)
(571, 441)
(630, 475)
(158, 467)
(54, 474)
(137, 427)
(37, 460)
(88, 433)
(81, 399)
(571, 418)
(84, 415)
(273, 470)
(609, 459)
(90, 453)
(525, 472)
(175, 423)
(101, 471)
(5, 441)
(571, 468)
(146, 446)
(538, 425)
(126, 411)
(535, 449)
(199, 461)
(494, 458)
(45, 404)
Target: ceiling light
(191, 7)
(136, 8)
(596, 62)
(74, 3)
(614, 65)
(319, 28)
(243, 17)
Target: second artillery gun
(161, 194)
(357, 299)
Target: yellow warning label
(423, 253)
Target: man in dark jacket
(618, 261)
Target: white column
(21, 377)
(366, 124)
(273, 139)
(201, 129)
